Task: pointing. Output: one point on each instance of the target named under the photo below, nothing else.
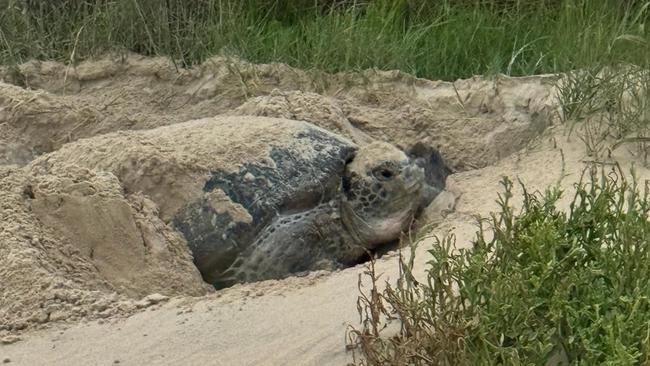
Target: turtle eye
(386, 174)
(383, 173)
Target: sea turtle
(261, 198)
(308, 211)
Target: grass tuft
(609, 107)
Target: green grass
(574, 285)
(608, 107)
(445, 39)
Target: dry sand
(474, 122)
(92, 273)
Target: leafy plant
(541, 285)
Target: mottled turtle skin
(322, 210)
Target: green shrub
(539, 284)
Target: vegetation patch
(541, 285)
(608, 107)
(445, 39)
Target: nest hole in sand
(77, 242)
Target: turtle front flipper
(293, 244)
(217, 230)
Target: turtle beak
(414, 175)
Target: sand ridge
(474, 122)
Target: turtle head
(382, 190)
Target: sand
(473, 122)
(91, 270)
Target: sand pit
(83, 246)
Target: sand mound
(96, 158)
(74, 245)
(473, 122)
